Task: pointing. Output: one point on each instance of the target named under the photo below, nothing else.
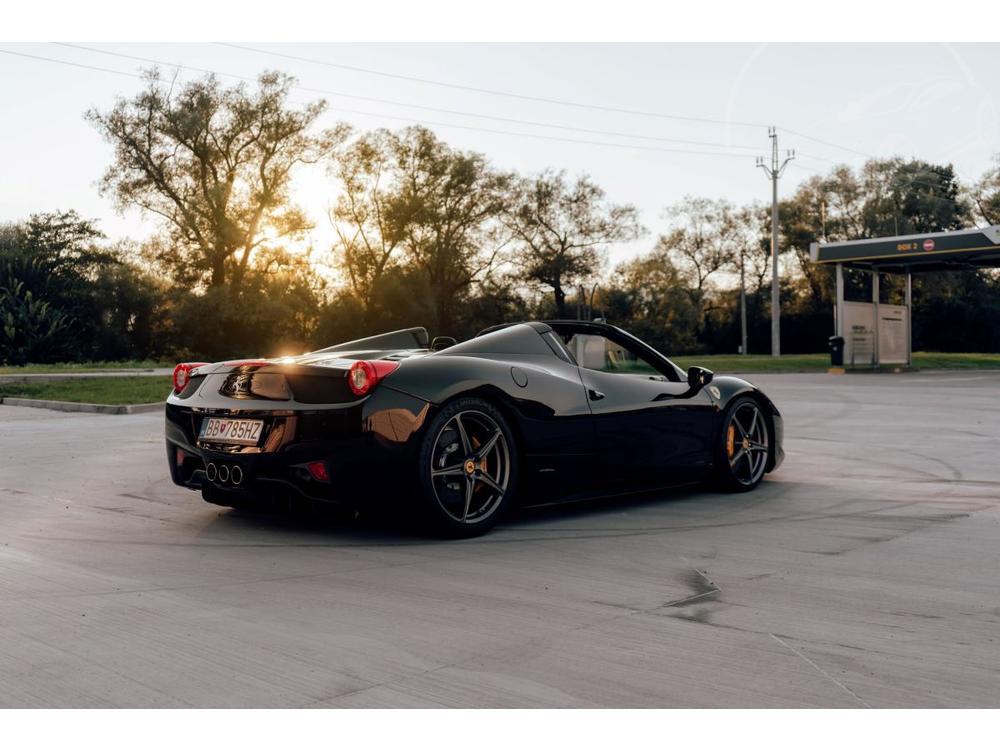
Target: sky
(831, 103)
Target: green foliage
(408, 197)
(64, 297)
(431, 235)
(985, 195)
(650, 299)
(560, 230)
(30, 329)
(275, 313)
(216, 164)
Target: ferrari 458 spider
(458, 432)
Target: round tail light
(364, 375)
(182, 374)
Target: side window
(596, 352)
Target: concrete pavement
(862, 573)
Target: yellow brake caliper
(482, 462)
(730, 440)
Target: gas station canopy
(938, 251)
(875, 333)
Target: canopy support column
(875, 295)
(838, 311)
(909, 318)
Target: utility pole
(774, 172)
(743, 302)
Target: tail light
(364, 375)
(182, 374)
(318, 471)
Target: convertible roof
(542, 326)
(509, 338)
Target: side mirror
(699, 377)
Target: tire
(744, 447)
(467, 467)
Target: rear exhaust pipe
(223, 473)
(211, 471)
(236, 475)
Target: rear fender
(543, 396)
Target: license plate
(235, 431)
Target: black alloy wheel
(468, 468)
(745, 446)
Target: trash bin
(836, 351)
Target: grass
(132, 364)
(139, 389)
(820, 362)
(949, 361)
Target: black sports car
(540, 412)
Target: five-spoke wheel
(745, 448)
(468, 464)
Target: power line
(457, 86)
(560, 139)
(461, 113)
(807, 155)
(75, 65)
(546, 100)
(804, 168)
(429, 122)
(495, 92)
(828, 143)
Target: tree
(912, 197)
(369, 233)
(561, 228)
(649, 296)
(66, 297)
(700, 240)
(277, 315)
(447, 210)
(986, 194)
(885, 197)
(215, 163)
(701, 243)
(31, 330)
(750, 234)
(416, 213)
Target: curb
(38, 403)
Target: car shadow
(320, 525)
(703, 499)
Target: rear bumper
(268, 474)
(367, 449)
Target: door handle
(594, 395)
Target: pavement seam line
(822, 671)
